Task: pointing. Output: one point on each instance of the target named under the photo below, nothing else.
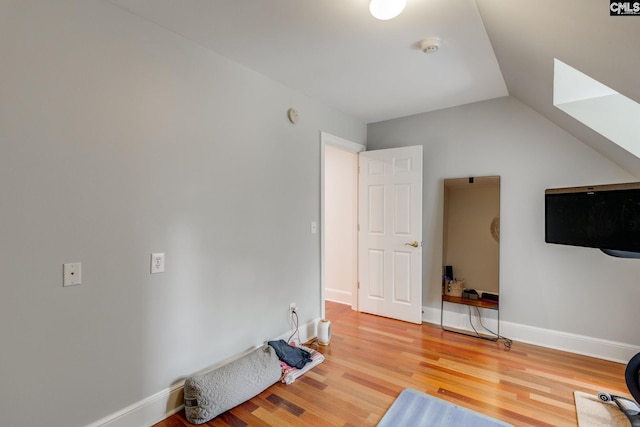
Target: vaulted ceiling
(336, 52)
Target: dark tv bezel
(617, 252)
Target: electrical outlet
(292, 307)
(157, 263)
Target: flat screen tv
(602, 216)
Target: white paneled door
(390, 236)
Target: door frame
(353, 147)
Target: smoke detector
(430, 45)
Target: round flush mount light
(430, 45)
(386, 9)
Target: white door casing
(390, 235)
(352, 147)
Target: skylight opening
(599, 107)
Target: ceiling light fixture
(386, 9)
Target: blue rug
(413, 408)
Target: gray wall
(568, 289)
(119, 139)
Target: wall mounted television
(600, 216)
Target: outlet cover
(157, 263)
(72, 274)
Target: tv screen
(605, 217)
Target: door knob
(414, 244)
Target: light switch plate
(157, 263)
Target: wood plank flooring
(372, 359)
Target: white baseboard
(167, 402)
(342, 297)
(594, 347)
(148, 411)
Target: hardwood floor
(372, 359)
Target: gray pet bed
(208, 395)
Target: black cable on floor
(507, 341)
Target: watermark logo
(624, 8)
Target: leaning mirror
(471, 246)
